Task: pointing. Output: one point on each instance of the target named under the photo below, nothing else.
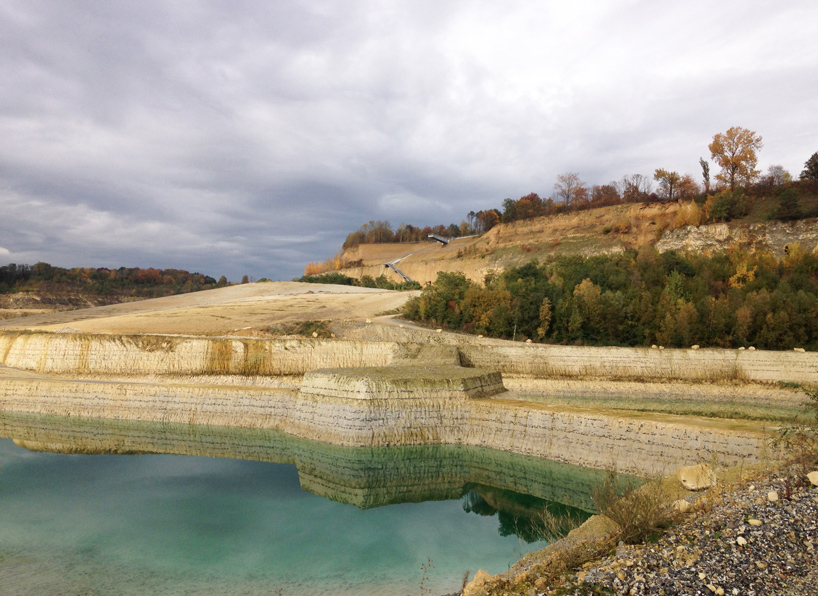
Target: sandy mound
(234, 310)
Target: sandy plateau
(240, 310)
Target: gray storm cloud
(248, 137)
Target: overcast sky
(249, 137)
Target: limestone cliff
(143, 355)
(630, 442)
(358, 402)
(771, 236)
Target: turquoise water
(165, 523)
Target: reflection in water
(162, 524)
(528, 517)
(363, 476)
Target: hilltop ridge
(604, 230)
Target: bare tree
(570, 190)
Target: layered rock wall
(76, 354)
(545, 361)
(362, 476)
(629, 443)
(65, 353)
(772, 236)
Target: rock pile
(759, 540)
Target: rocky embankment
(755, 537)
(772, 236)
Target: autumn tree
(635, 188)
(667, 182)
(735, 152)
(686, 188)
(811, 167)
(487, 219)
(570, 190)
(604, 195)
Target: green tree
(735, 152)
(788, 208)
(705, 174)
(811, 168)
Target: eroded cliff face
(215, 359)
(77, 354)
(771, 236)
(632, 444)
(364, 402)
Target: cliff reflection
(526, 516)
(517, 488)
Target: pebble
(721, 550)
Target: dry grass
(708, 409)
(639, 511)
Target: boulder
(681, 506)
(698, 477)
(476, 587)
(813, 477)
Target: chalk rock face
(402, 382)
(698, 477)
(773, 236)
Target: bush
(800, 438)
(639, 511)
(328, 278)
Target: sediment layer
(373, 394)
(79, 354)
(632, 444)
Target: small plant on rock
(799, 438)
(639, 511)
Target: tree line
(125, 281)
(366, 281)
(724, 196)
(730, 299)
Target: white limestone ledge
(402, 382)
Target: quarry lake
(113, 507)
